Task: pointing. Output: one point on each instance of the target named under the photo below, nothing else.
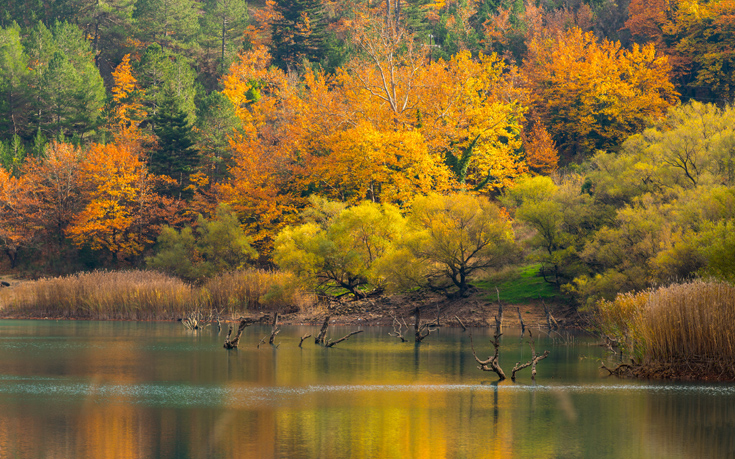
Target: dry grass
(149, 295)
(685, 328)
(253, 290)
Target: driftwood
(196, 320)
(303, 338)
(499, 317)
(550, 321)
(532, 363)
(274, 329)
(422, 330)
(232, 343)
(491, 364)
(523, 324)
(464, 329)
(398, 329)
(322, 336)
(622, 369)
(331, 343)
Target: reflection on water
(139, 390)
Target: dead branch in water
(491, 364)
(464, 329)
(331, 343)
(196, 320)
(523, 325)
(274, 329)
(422, 330)
(234, 342)
(398, 329)
(303, 338)
(621, 369)
(532, 363)
(499, 317)
(322, 336)
(550, 321)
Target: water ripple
(190, 395)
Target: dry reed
(149, 295)
(684, 329)
(253, 290)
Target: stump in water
(398, 329)
(275, 329)
(499, 317)
(491, 364)
(422, 330)
(232, 343)
(322, 336)
(532, 363)
(523, 325)
(550, 321)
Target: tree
(562, 219)
(173, 24)
(125, 111)
(69, 90)
(592, 95)
(448, 240)
(15, 79)
(336, 251)
(122, 213)
(297, 33)
(206, 249)
(163, 74)
(15, 232)
(174, 155)
(224, 23)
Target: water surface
(155, 390)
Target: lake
(154, 390)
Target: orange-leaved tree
(122, 213)
(125, 110)
(593, 94)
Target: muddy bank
(474, 311)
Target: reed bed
(684, 330)
(253, 290)
(149, 295)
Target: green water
(154, 390)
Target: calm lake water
(154, 390)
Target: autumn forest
(371, 146)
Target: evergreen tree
(160, 71)
(14, 85)
(175, 155)
(67, 89)
(216, 122)
(298, 34)
(223, 25)
(171, 23)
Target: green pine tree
(299, 34)
(175, 155)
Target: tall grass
(253, 290)
(148, 295)
(684, 329)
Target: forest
(368, 146)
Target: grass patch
(518, 285)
